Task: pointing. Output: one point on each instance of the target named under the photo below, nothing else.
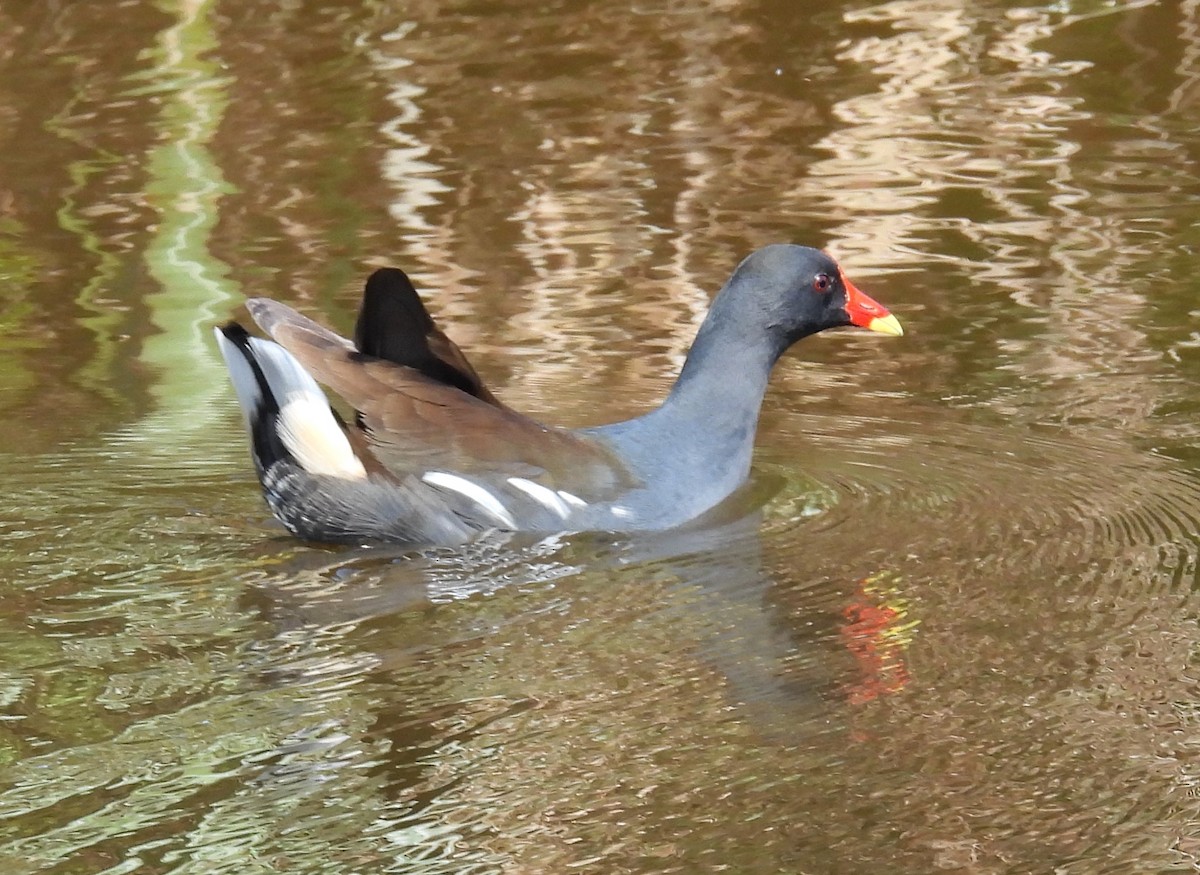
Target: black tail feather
(394, 325)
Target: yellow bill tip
(888, 324)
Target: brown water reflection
(953, 626)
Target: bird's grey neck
(701, 440)
(721, 387)
(696, 448)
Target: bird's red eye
(822, 282)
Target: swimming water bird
(433, 457)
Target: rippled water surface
(952, 625)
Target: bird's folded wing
(415, 424)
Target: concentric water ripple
(1034, 499)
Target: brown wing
(414, 423)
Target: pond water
(953, 626)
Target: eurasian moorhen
(432, 457)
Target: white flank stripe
(313, 436)
(623, 513)
(571, 499)
(470, 490)
(542, 495)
